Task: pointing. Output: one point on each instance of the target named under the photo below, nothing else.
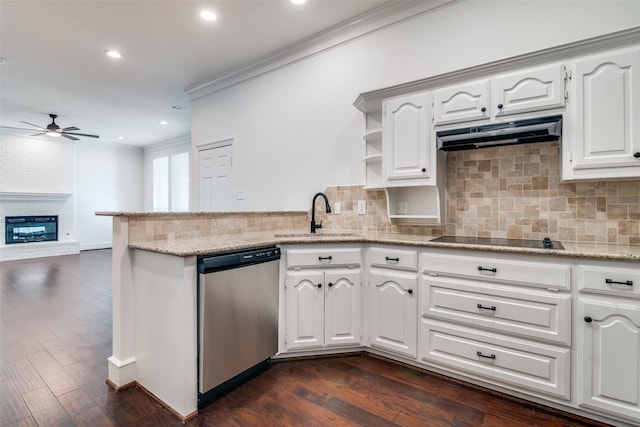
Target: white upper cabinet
(524, 91)
(462, 103)
(406, 134)
(533, 89)
(603, 139)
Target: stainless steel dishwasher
(237, 318)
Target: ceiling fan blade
(38, 134)
(69, 129)
(79, 134)
(9, 127)
(31, 124)
(69, 137)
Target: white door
(216, 184)
(305, 309)
(607, 102)
(343, 311)
(407, 137)
(394, 312)
(610, 350)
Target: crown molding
(168, 144)
(376, 19)
(372, 100)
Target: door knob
(588, 319)
(636, 154)
(319, 285)
(500, 106)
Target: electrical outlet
(337, 208)
(402, 208)
(239, 195)
(362, 207)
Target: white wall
(295, 129)
(107, 178)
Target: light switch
(362, 207)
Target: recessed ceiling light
(120, 138)
(113, 54)
(163, 122)
(208, 15)
(298, 1)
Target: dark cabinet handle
(482, 307)
(493, 270)
(330, 284)
(626, 282)
(424, 169)
(319, 285)
(491, 356)
(636, 154)
(387, 258)
(483, 109)
(325, 258)
(500, 106)
(588, 319)
(410, 291)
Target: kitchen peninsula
(155, 309)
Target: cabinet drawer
(514, 362)
(607, 280)
(393, 258)
(300, 258)
(529, 313)
(530, 273)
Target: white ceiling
(55, 61)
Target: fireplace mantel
(27, 196)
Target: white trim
(93, 246)
(19, 196)
(388, 14)
(217, 144)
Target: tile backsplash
(514, 192)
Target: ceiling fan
(54, 130)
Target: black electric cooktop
(545, 243)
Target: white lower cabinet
(488, 317)
(394, 316)
(393, 300)
(507, 360)
(608, 339)
(323, 308)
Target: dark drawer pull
(482, 307)
(392, 259)
(325, 258)
(491, 356)
(626, 282)
(493, 270)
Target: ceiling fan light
(53, 133)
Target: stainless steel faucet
(315, 226)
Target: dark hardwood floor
(55, 338)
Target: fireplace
(26, 229)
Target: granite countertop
(230, 242)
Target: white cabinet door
(305, 309)
(343, 312)
(610, 364)
(605, 131)
(532, 89)
(462, 103)
(407, 137)
(394, 312)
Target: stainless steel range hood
(507, 133)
